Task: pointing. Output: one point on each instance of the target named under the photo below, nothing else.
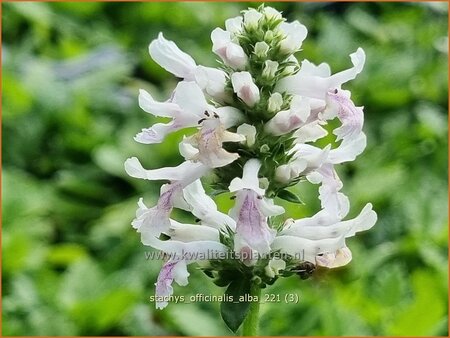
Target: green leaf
(234, 311)
(289, 196)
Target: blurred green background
(72, 264)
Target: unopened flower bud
(264, 148)
(274, 103)
(295, 33)
(245, 88)
(268, 37)
(271, 13)
(251, 18)
(234, 25)
(270, 68)
(261, 49)
(249, 132)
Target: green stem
(251, 322)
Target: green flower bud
(261, 49)
(270, 68)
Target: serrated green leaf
(289, 196)
(233, 312)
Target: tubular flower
(250, 127)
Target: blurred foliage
(72, 265)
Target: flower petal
(315, 86)
(351, 117)
(348, 150)
(170, 271)
(231, 53)
(204, 207)
(165, 109)
(249, 178)
(252, 229)
(192, 232)
(294, 33)
(185, 172)
(167, 54)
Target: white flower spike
(250, 128)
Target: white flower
(167, 54)
(208, 141)
(231, 53)
(352, 118)
(186, 108)
(234, 25)
(155, 220)
(315, 82)
(329, 192)
(287, 120)
(251, 211)
(294, 33)
(245, 88)
(322, 237)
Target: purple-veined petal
(170, 271)
(252, 229)
(209, 141)
(351, 117)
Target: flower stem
(251, 322)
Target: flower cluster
(257, 119)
